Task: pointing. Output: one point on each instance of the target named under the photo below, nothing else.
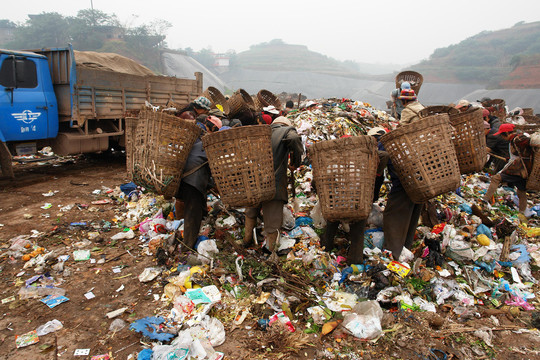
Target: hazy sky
(375, 31)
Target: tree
(43, 30)
(93, 17)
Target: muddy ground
(408, 335)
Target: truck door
(23, 104)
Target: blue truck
(48, 98)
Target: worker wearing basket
(497, 146)
(397, 104)
(199, 106)
(285, 141)
(518, 168)
(196, 179)
(401, 215)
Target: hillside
(488, 57)
(278, 56)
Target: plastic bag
(49, 327)
(207, 250)
(375, 216)
(459, 250)
(364, 321)
(288, 219)
(117, 325)
(316, 214)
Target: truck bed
(85, 93)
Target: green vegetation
(486, 58)
(90, 30)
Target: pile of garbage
(467, 257)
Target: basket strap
(186, 174)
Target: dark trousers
(356, 238)
(194, 211)
(400, 219)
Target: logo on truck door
(26, 116)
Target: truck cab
(28, 105)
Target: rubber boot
(271, 244)
(327, 239)
(493, 185)
(178, 209)
(355, 254)
(248, 231)
(522, 196)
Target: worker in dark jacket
(518, 168)
(191, 194)
(285, 142)
(199, 106)
(495, 143)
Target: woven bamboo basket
(469, 140)
(412, 77)
(528, 111)
(497, 108)
(131, 127)
(266, 98)
(242, 164)
(240, 100)
(160, 149)
(344, 171)
(532, 125)
(424, 157)
(437, 109)
(533, 181)
(217, 98)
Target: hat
(505, 128)
(376, 131)
(407, 94)
(485, 112)
(271, 109)
(203, 103)
(462, 103)
(486, 125)
(406, 85)
(217, 113)
(484, 99)
(214, 120)
(282, 120)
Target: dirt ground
(408, 335)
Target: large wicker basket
(265, 98)
(242, 164)
(497, 107)
(344, 171)
(533, 181)
(160, 149)
(469, 140)
(217, 98)
(424, 157)
(412, 77)
(240, 101)
(437, 109)
(528, 111)
(532, 125)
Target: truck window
(25, 75)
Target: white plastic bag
(49, 327)
(316, 214)
(364, 321)
(375, 217)
(207, 250)
(288, 219)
